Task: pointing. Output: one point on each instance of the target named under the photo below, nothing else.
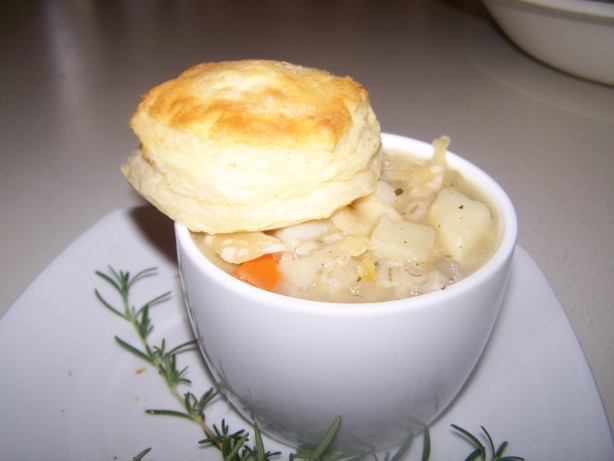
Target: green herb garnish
(233, 446)
(481, 452)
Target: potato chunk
(359, 218)
(460, 222)
(401, 240)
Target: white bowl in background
(575, 36)
(386, 368)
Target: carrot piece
(261, 272)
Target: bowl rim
(497, 196)
(590, 8)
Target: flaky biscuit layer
(254, 145)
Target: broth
(423, 229)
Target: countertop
(73, 73)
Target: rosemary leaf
(144, 273)
(133, 350)
(110, 280)
(426, 448)
(141, 455)
(235, 448)
(177, 414)
(107, 305)
(490, 442)
(471, 437)
(328, 438)
(499, 452)
(183, 347)
(477, 453)
(158, 299)
(259, 444)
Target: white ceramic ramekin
(386, 368)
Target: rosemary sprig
(233, 446)
(165, 361)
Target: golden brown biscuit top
(256, 103)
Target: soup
(423, 229)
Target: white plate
(68, 392)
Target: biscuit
(254, 145)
